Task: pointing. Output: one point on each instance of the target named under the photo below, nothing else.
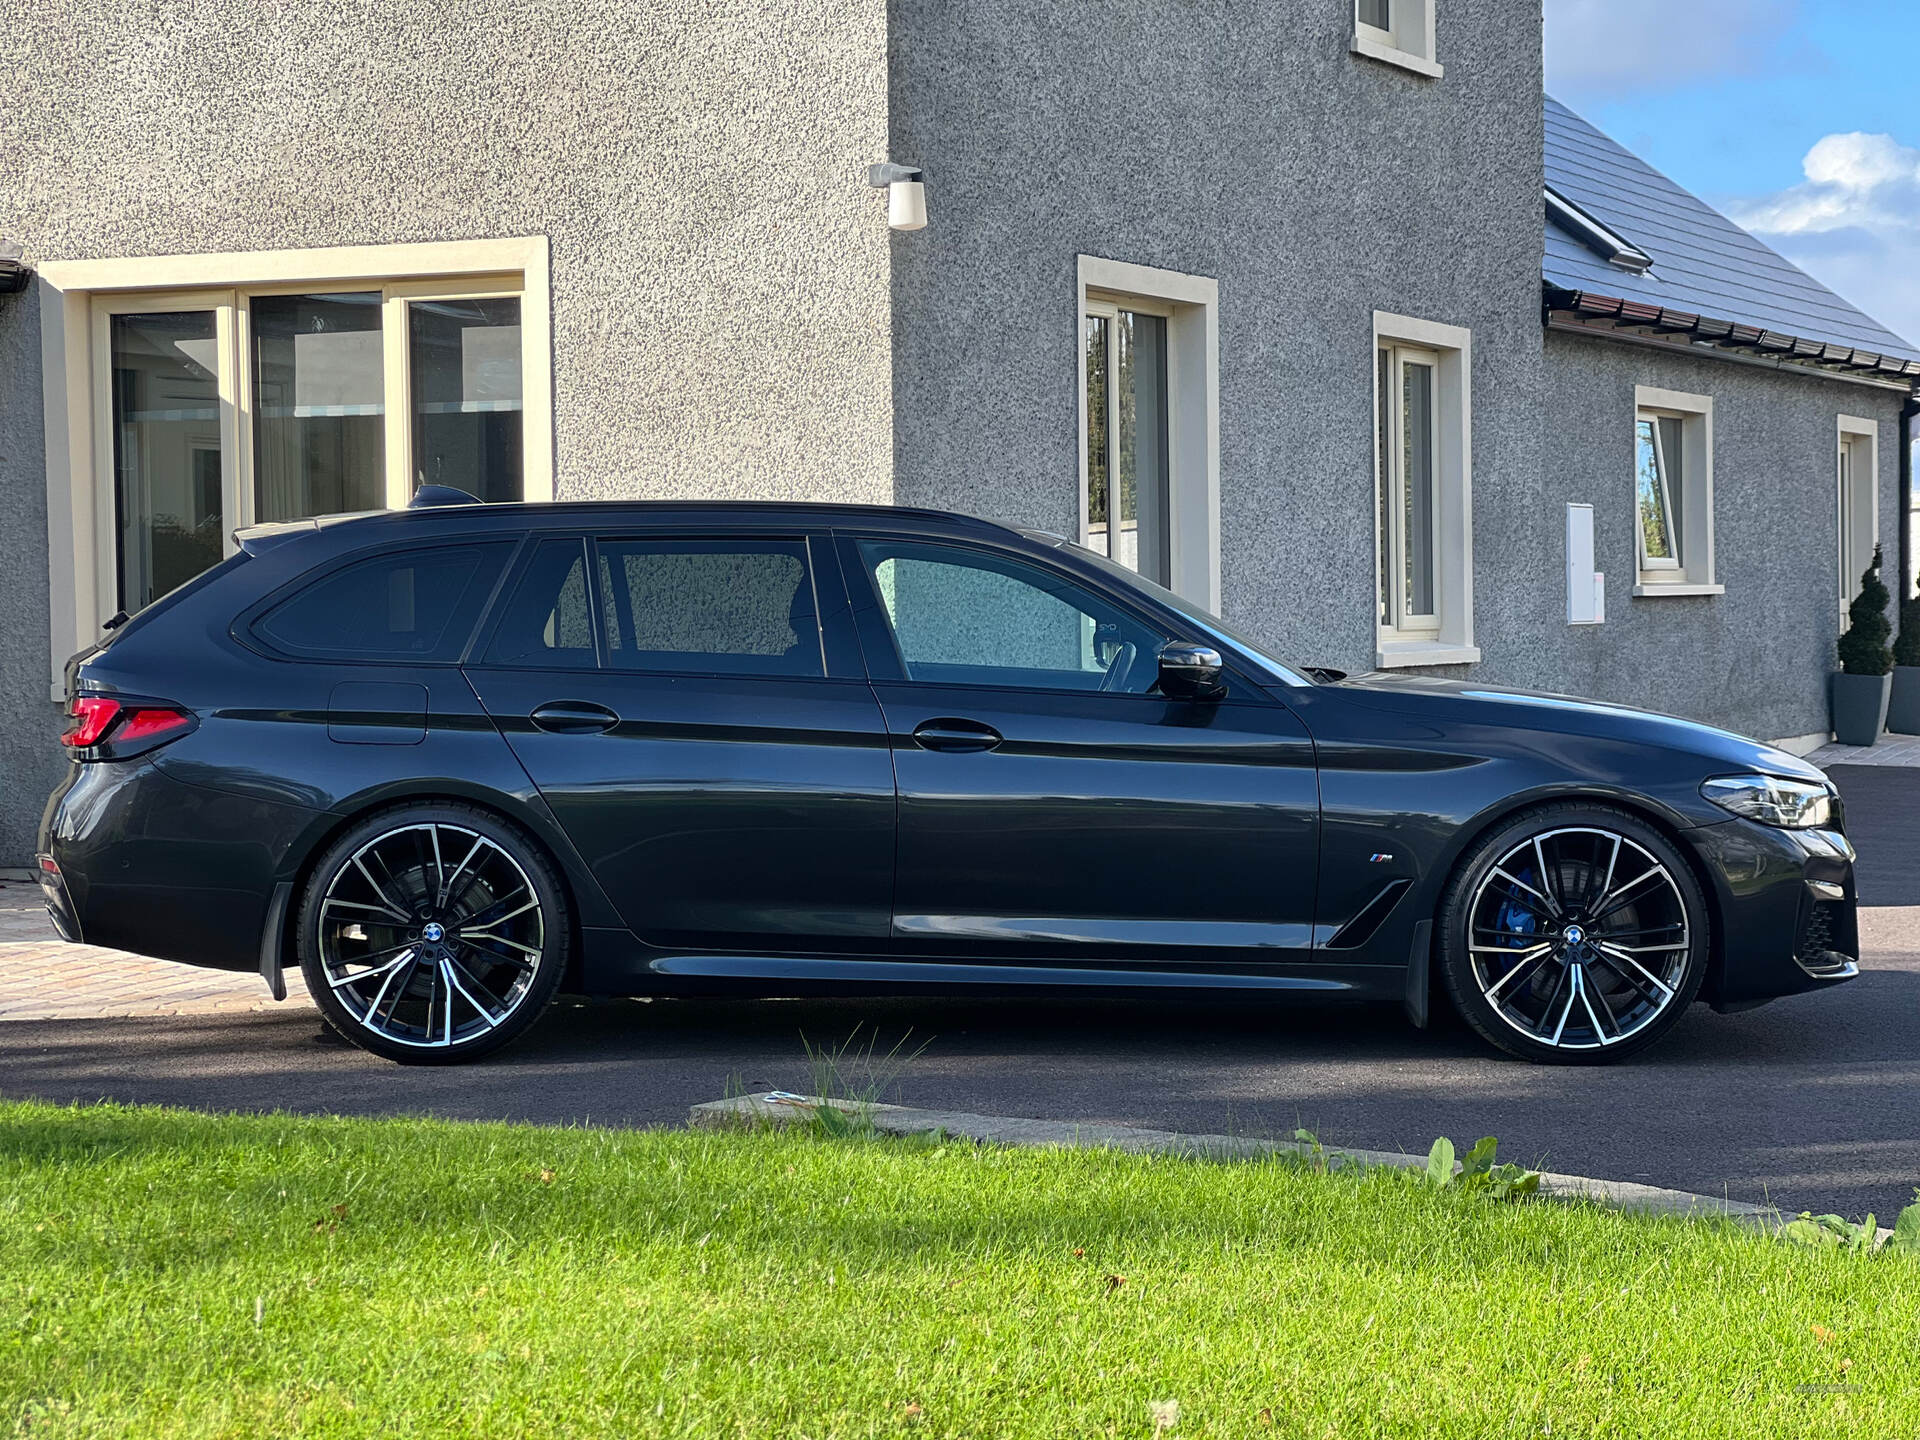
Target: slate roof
(1709, 278)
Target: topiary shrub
(1863, 648)
(1906, 649)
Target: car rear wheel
(1574, 933)
(432, 934)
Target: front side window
(963, 617)
(718, 607)
(1127, 497)
(1407, 489)
(235, 407)
(413, 605)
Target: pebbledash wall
(719, 274)
(730, 317)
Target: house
(1253, 298)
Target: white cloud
(1853, 223)
(1603, 49)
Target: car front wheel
(431, 934)
(1574, 933)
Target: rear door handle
(574, 717)
(957, 736)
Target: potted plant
(1861, 689)
(1903, 713)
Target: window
(961, 617)
(732, 607)
(1673, 493)
(1422, 482)
(548, 625)
(1148, 353)
(1400, 32)
(1126, 410)
(1858, 510)
(413, 605)
(188, 396)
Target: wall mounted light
(15, 272)
(906, 194)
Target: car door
(1052, 803)
(703, 732)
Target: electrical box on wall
(1586, 587)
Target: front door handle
(574, 717)
(957, 736)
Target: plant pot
(1903, 713)
(1860, 707)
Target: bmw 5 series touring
(457, 758)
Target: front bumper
(1788, 911)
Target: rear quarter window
(416, 605)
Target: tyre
(433, 933)
(1573, 934)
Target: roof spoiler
(428, 496)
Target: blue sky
(1795, 117)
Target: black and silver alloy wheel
(1574, 935)
(432, 933)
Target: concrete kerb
(775, 1108)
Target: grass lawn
(166, 1273)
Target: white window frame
(77, 297)
(1409, 43)
(1191, 304)
(1692, 571)
(1857, 506)
(1446, 638)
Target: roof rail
(428, 496)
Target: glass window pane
(1142, 459)
(548, 624)
(710, 607)
(1376, 13)
(319, 398)
(1417, 477)
(1385, 485)
(166, 451)
(962, 618)
(1098, 418)
(465, 359)
(1673, 470)
(1655, 539)
(418, 605)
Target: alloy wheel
(1578, 938)
(430, 935)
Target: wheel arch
(1468, 838)
(581, 891)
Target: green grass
(420, 1278)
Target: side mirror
(1190, 672)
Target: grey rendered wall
(720, 270)
(1245, 143)
(1753, 660)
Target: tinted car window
(418, 605)
(727, 607)
(964, 617)
(548, 623)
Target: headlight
(1790, 804)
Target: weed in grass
(1477, 1174)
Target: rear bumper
(146, 863)
(1788, 911)
(53, 889)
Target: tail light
(113, 728)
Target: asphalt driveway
(1807, 1102)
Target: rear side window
(548, 624)
(414, 605)
(721, 607)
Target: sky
(1797, 118)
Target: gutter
(1584, 312)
